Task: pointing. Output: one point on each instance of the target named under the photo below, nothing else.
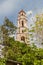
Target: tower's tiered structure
(22, 32)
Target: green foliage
(18, 51)
(2, 61)
(38, 28)
(27, 55)
(7, 28)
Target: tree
(7, 28)
(19, 51)
(2, 61)
(39, 28)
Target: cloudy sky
(10, 8)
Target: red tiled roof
(22, 11)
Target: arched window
(22, 31)
(22, 13)
(23, 38)
(22, 24)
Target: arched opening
(23, 38)
(22, 24)
(22, 14)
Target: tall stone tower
(22, 32)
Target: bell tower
(22, 32)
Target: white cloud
(33, 18)
(30, 17)
(29, 12)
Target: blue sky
(10, 8)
